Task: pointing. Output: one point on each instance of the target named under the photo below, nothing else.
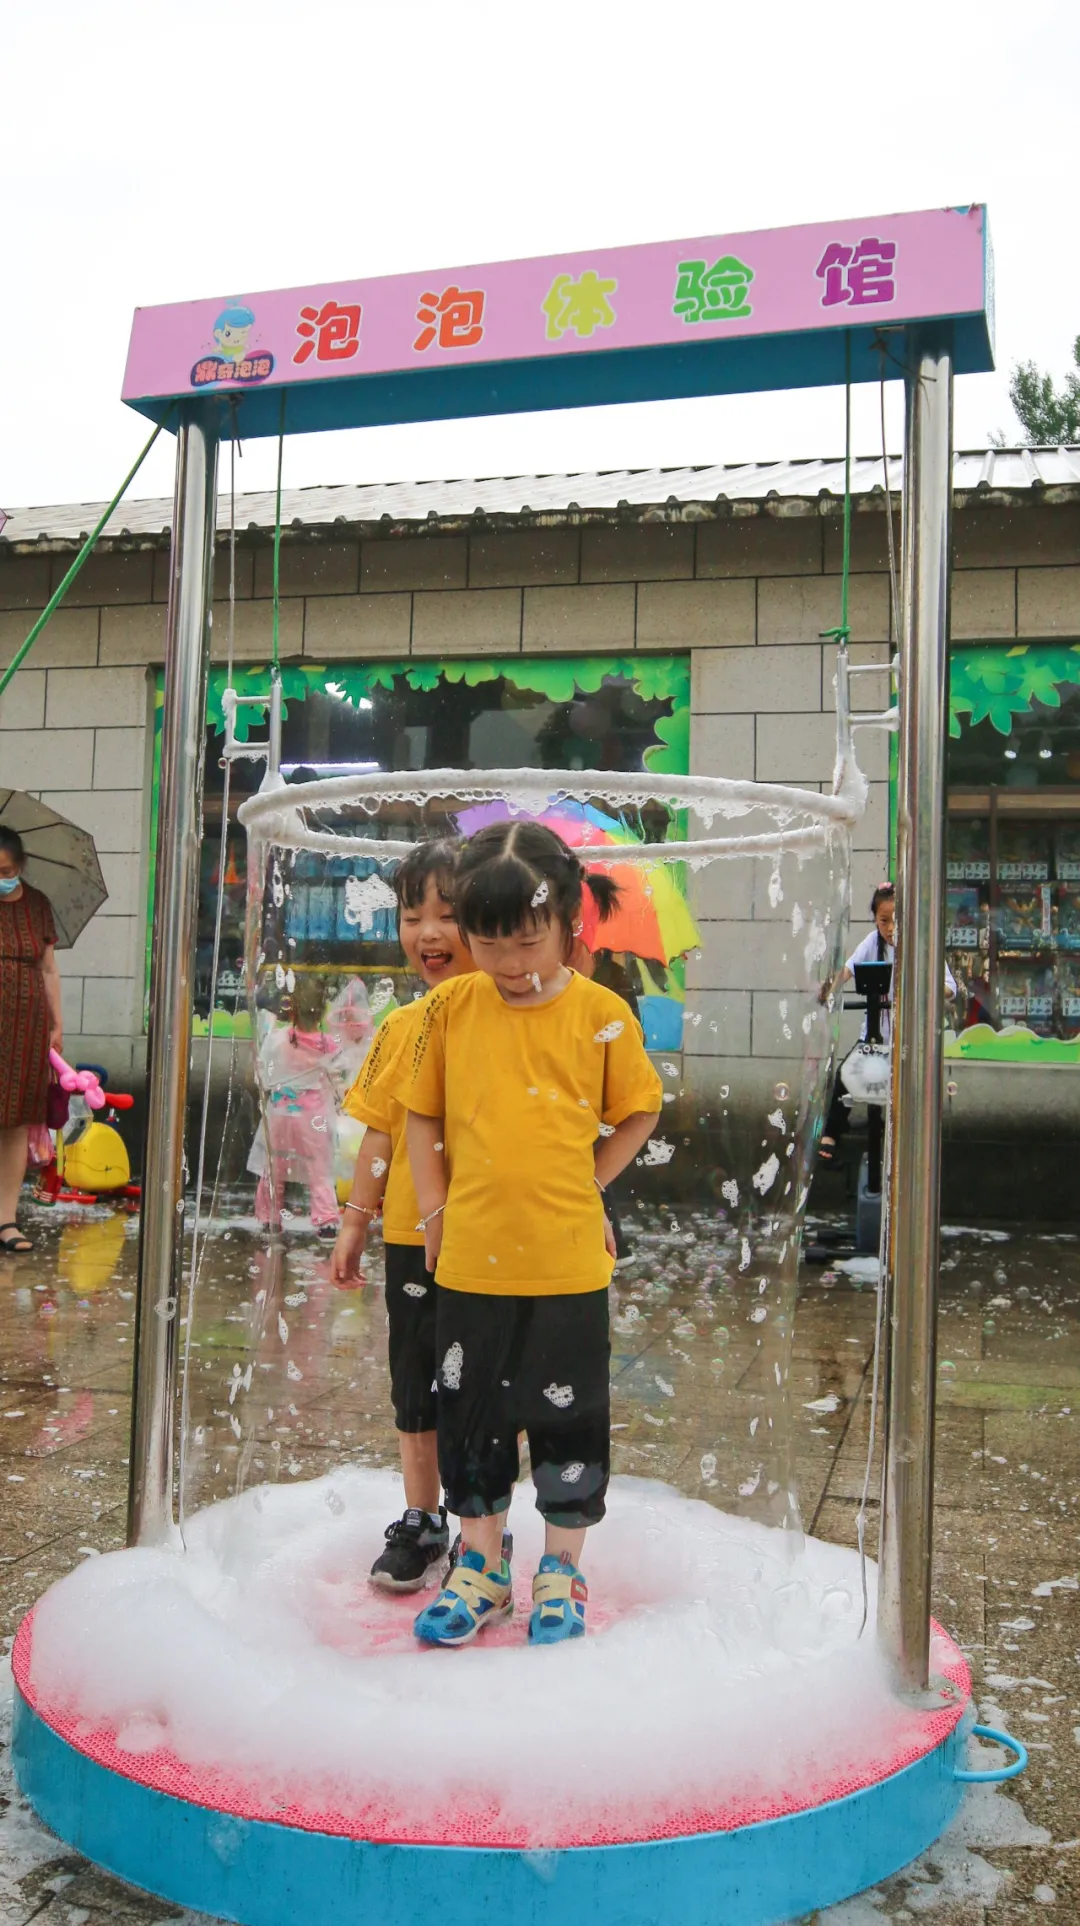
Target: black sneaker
(455, 1550)
(413, 1545)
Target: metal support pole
(912, 1246)
(187, 656)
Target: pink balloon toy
(79, 1082)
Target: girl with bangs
(529, 1091)
(419, 1540)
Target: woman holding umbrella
(30, 1024)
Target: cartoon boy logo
(233, 362)
(231, 330)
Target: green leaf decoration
(655, 678)
(671, 755)
(355, 683)
(559, 681)
(994, 685)
(297, 684)
(1038, 683)
(989, 669)
(999, 712)
(1063, 660)
(426, 676)
(660, 678)
(473, 674)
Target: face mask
(9, 884)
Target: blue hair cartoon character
(232, 363)
(231, 330)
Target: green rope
(85, 551)
(277, 539)
(843, 630)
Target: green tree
(1049, 415)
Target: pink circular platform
(378, 1625)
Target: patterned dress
(26, 930)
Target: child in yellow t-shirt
(530, 1090)
(434, 948)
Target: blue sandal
(560, 1596)
(471, 1598)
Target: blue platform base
(261, 1874)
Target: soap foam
(723, 1670)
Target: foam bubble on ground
(980, 1232)
(865, 1270)
(723, 1662)
(951, 1872)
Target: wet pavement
(286, 1378)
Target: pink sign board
(881, 271)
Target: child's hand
(433, 1241)
(609, 1237)
(345, 1269)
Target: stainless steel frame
(912, 1228)
(187, 656)
(911, 1256)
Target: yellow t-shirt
(371, 1101)
(523, 1093)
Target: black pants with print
(410, 1311)
(534, 1364)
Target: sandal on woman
(16, 1246)
(827, 1150)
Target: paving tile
(689, 1380)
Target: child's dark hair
(436, 858)
(12, 845)
(884, 893)
(514, 875)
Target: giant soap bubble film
(724, 944)
(726, 1676)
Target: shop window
(1012, 934)
(577, 713)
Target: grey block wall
(747, 596)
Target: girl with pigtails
(529, 1091)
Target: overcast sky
(162, 150)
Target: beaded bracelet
(368, 1209)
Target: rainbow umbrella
(652, 919)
